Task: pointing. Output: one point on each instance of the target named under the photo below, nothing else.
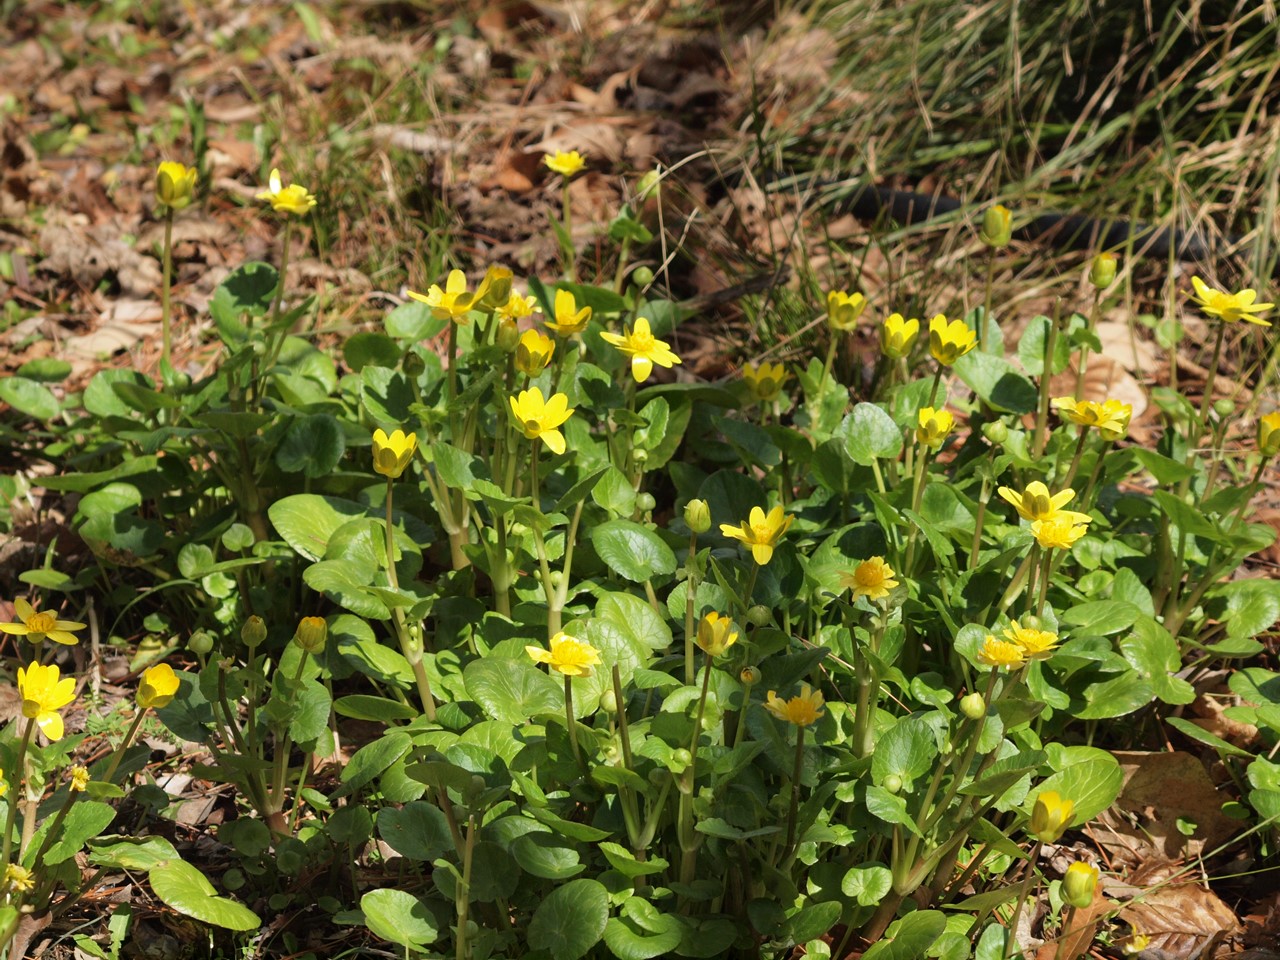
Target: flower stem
(570, 255)
(18, 766)
(411, 647)
(124, 745)
(1011, 945)
(1042, 412)
(794, 803)
(166, 311)
(568, 716)
(284, 267)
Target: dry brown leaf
(1183, 920)
(1159, 790)
(86, 254)
(1210, 716)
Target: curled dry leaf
(1183, 920)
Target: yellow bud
(175, 184)
(1102, 273)
(1269, 434)
(997, 227)
(253, 632)
(697, 516)
(158, 687)
(497, 288)
(1080, 884)
(1050, 816)
(311, 634)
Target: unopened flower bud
(609, 702)
(996, 432)
(1102, 273)
(1080, 884)
(508, 336)
(497, 288)
(997, 227)
(892, 783)
(1269, 434)
(650, 182)
(413, 365)
(697, 516)
(642, 276)
(200, 643)
(1050, 816)
(974, 706)
(1224, 407)
(645, 502)
(253, 632)
(749, 675)
(311, 634)
(759, 615)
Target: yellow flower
(1001, 654)
(38, 626)
(1111, 417)
(175, 184)
(4, 785)
(496, 287)
(391, 454)
(1229, 307)
(802, 710)
(569, 655)
(455, 302)
(949, 341)
(312, 634)
(935, 426)
(1059, 531)
(1102, 272)
(760, 532)
(716, 634)
(643, 348)
(898, 336)
(539, 419)
(518, 307)
(1037, 503)
(1080, 884)
(844, 309)
(19, 879)
(1137, 942)
(569, 319)
(291, 199)
(1268, 436)
(79, 779)
(158, 687)
(765, 381)
(43, 695)
(1036, 644)
(533, 352)
(997, 227)
(1050, 817)
(565, 164)
(872, 579)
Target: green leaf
(997, 381)
(614, 492)
(185, 889)
(306, 521)
(868, 883)
(546, 855)
(356, 644)
(1196, 732)
(512, 690)
(1033, 343)
(907, 750)
(642, 931)
(632, 551)
(29, 397)
(249, 289)
(912, 936)
(312, 445)
(362, 706)
(399, 917)
(418, 830)
(83, 822)
(373, 758)
(413, 321)
(130, 853)
(571, 920)
(1101, 618)
(812, 921)
(101, 400)
(870, 434)
(1092, 786)
(45, 370)
(387, 395)
(366, 348)
(639, 624)
(624, 861)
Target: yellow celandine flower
(539, 419)
(4, 785)
(898, 336)
(715, 634)
(518, 307)
(802, 710)
(1036, 644)
(569, 319)
(935, 426)
(497, 288)
(1079, 884)
(294, 199)
(1111, 417)
(1059, 531)
(950, 340)
(844, 309)
(533, 352)
(766, 380)
(565, 164)
(1135, 943)
(455, 302)
(44, 692)
(871, 578)
(175, 184)
(158, 687)
(391, 454)
(643, 348)
(19, 879)
(1001, 653)
(79, 779)
(40, 626)
(1037, 503)
(760, 532)
(1229, 307)
(1269, 434)
(568, 655)
(1050, 817)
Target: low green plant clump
(641, 669)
